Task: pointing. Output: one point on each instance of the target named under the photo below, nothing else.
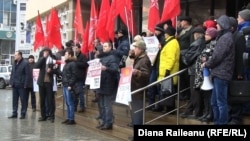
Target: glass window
(1, 7)
(1, 16)
(7, 5)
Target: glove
(167, 73)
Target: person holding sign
(108, 86)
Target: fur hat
(186, 18)
(245, 14)
(170, 31)
(198, 30)
(159, 28)
(123, 31)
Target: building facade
(199, 10)
(7, 30)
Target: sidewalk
(29, 129)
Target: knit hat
(224, 22)
(198, 30)
(210, 23)
(31, 56)
(212, 32)
(170, 31)
(233, 22)
(245, 14)
(140, 44)
(159, 28)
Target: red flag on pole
(171, 9)
(111, 20)
(54, 35)
(85, 37)
(78, 24)
(39, 34)
(153, 15)
(92, 25)
(125, 8)
(101, 31)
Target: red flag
(39, 34)
(78, 25)
(85, 37)
(101, 31)
(153, 15)
(92, 26)
(126, 14)
(111, 20)
(171, 9)
(54, 35)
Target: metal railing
(172, 95)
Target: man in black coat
(82, 65)
(19, 81)
(45, 82)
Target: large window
(7, 13)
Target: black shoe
(185, 115)
(95, 100)
(65, 121)
(107, 127)
(81, 110)
(42, 119)
(13, 116)
(71, 122)
(22, 117)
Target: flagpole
(132, 21)
(127, 24)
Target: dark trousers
(184, 83)
(153, 91)
(46, 94)
(19, 93)
(207, 102)
(31, 93)
(195, 102)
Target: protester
(29, 89)
(19, 82)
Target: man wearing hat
(153, 91)
(140, 78)
(123, 47)
(168, 63)
(29, 89)
(185, 38)
(194, 108)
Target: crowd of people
(217, 45)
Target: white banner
(93, 77)
(123, 95)
(35, 78)
(152, 45)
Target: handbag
(239, 91)
(166, 90)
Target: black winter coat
(108, 77)
(69, 74)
